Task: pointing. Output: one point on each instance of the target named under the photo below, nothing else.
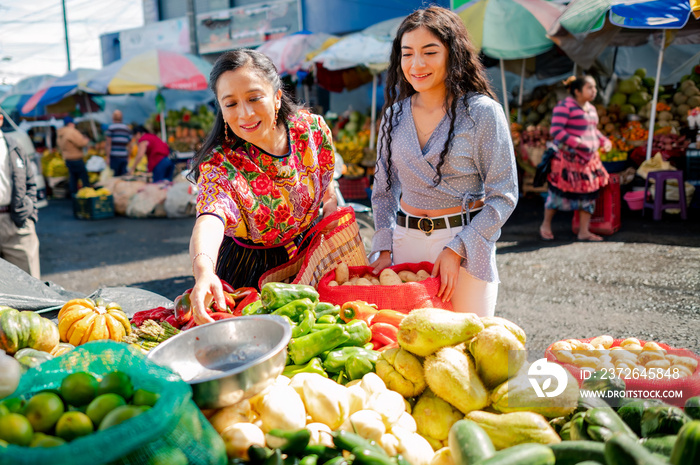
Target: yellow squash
(83, 320)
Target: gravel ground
(644, 281)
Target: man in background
(71, 142)
(19, 243)
(117, 138)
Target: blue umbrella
(23, 91)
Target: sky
(32, 38)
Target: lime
(14, 405)
(79, 388)
(119, 415)
(116, 382)
(168, 457)
(44, 440)
(4, 410)
(143, 397)
(16, 429)
(73, 425)
(102, 405)
(43, 411)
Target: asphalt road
(643, 281)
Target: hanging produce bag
(403, 297)
(173, 431)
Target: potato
(652, 346)
(606, 341)
(408, 276)
(363, 282)
(342, 273)
(630, 340)
(681, 370)
(647, 356)
(561, 345)
(564, 356)
(689, 362)
(368, 277)
(422, 274)
(636, 347)
(353, 280)
(575, 344)
(375, 281)
(332, 283)
(585, 361)
(347, 283)
(388, 277)
(663, 363)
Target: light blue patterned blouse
(480, 164)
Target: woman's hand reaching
(382, 262)
(447, 266)
(206, 288)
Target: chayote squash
(26, 329)
(29, 358)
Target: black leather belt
(428, 225)
(5, 209)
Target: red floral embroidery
(318, 139)
(262, 217)
(270, 236)
(282, 214)
(262, 185)
(326, 158)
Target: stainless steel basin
(229, 360)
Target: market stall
(299, 373)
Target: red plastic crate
(354, 189)
(606, 217)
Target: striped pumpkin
(19, 330)
(83, 320)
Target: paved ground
(643, 281)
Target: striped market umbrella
(21, 92)
(153, 70)
(288, 53)
(54, 91)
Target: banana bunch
(88, 192)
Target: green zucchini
(573, 452)
(687, 447)
(661, 444)
(623, 449)
(522, 454)
(631, 413)
(692, 407)
(469, 444)
(663, 419)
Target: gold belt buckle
(432, 225)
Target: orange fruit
(143, 397)
(116, 382)
(43, 411)
(73, 425)
(102, 405)
(16, 429)
(79, 388)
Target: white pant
(471, 295)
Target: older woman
(262, 175)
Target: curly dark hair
(465, 74)
(231, 61)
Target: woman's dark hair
(465, 74)
(232, 61)
(576, 83)
(141, 129)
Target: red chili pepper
(221, 316)
(190, 324)
(357, 310)
(391, 317)
(249, 299)
(173, 322)
(227, 287)
(380, 340)
(385, 329)
(393, 345)
(161, 313)
(143, 315)
(230, 304)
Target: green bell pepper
(304, 348)
(325, 308)
(328, 318)
(336, 359)
(314, 366)
(276, 295)
(357, 366)
(305, 324)
(295, 441)
(309, 460)
(254, 308)
(295, 309)
(358, 332)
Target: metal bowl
(229, 360)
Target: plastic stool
(659, 203)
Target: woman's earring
(226, 130)
(274, 123)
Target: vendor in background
(445, 180)
(117, 138)
(577, 174)
(156, 152)
(261, 174)
(71, 143)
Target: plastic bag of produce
(173, 431)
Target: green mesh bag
(173, 432)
